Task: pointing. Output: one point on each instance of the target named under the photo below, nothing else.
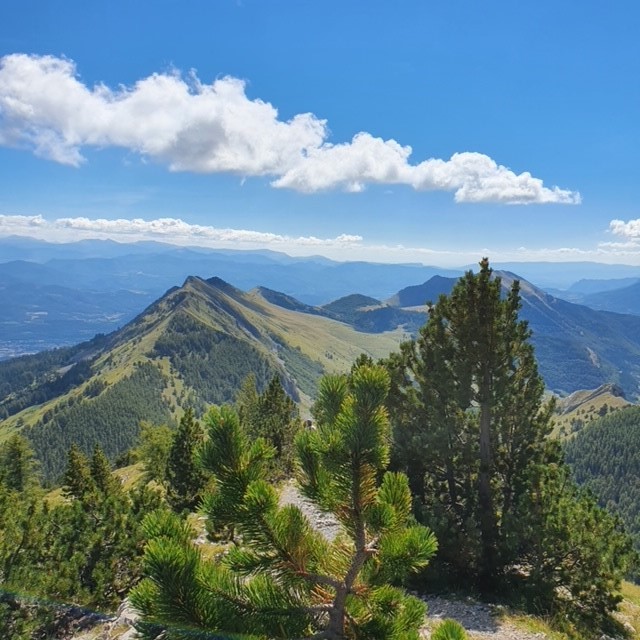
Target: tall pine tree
(472, 431)
(104, 480)
(77, 481)
(17, 464)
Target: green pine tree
(247, 401)
(449, 630)
(17, 464)
(272, 415)
(283, 579)
(469, 422)
(101, 475)
(77, 481)
(184, 477)
(153, 450)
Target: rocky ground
(480, 620)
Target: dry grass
(628, 615)
(334, 345)
(630, 607)
(534, 625)
(130, 476)
(584, 411)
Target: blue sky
(391, 131)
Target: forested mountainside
(103, 292)
(196, 345)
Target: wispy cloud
(179, 121)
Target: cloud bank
(170, 230)
(344, 247)
(180, 122)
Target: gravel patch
(478, 619)
(323, 522)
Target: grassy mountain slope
(362, 312)
(288, 302)
(204, 338)
(580, 408)
(192, 347)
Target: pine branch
(317, 578)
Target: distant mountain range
(57, 295)
(60, 294)
(154, 267)
(623, 299)
(578, 347)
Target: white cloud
(629, 230)
(211, 128)
(473, 177)
(628, 246)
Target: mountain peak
(419, 295)
(193, 280)
(224, 286)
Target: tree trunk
(485, 494)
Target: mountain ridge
(194, 346)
